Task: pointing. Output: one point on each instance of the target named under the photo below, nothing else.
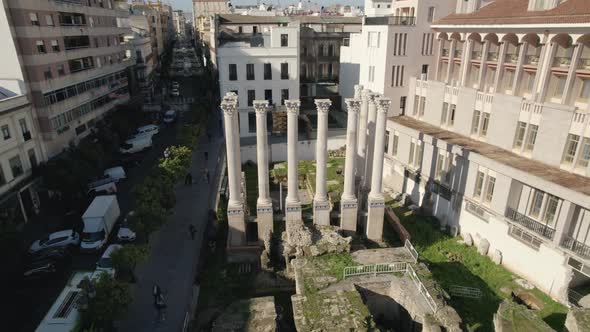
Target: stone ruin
(256, 314)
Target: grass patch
(332, 264)
(452, 263)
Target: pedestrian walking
(192, 230)
(160, 308)
(206, 155)
(206, 175)
(188, 179)
(156, 291)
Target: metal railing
(391, 20)
(351, 271)
(511, 58)
(578, 247)
(421, 288)
(584, 64)
(462, 291)
(476, 55)
(445, 52)
(525, 237)
(477, 210)
(408, 245)
(492, 56)
(531, 60)
(561, 61)
(573, 297)
(530, 223)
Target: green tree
(126, 259)
(177, 163)
(110, 303)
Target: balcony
(458, 53)
(476, 55)
(391, 20)
(530, 224)
(584, 64)
(561, 62)
(492, 56)
(532, 60)
(511, 58)
(576, 246)
(445, 52)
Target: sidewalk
(173, 255)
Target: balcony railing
(391, 20)
(530, 224)
(511, 58)
(562, 62)
(531, 60)
(576, 246)
(584, 64)
(492, 56)
(476, 55)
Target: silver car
(66, 238)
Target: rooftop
(246, 19)
(5, 93)
(549, 173)
(516, 12)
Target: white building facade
(259, 66)
(396, 43)
(496, 142)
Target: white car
(126, 234)
(105, 263)
(175, 92)
(145, 130)
(175, 84)
(67, 238)
(116, 173)
(169, 116)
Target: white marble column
(362, 136)
(376, 199)
(264, 215)
(348, 201)
(370, 134)
(235, 207)
(321, 204)
(292, 202)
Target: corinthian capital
(383, 104)
(323, 105)
(353, 105)
(358, 90)
(292, 105)
(231, 97)
(260, 106)
(228, 107)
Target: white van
(105, 264)
(136, 144)
(104, 185)
(99, 220)
(116, 173)
(150, 130)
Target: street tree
(127, 258)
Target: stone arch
(475, 37)
(491, 37)
(532, 39)
(510, 38)
(563, 40)
(584, 40)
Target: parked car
(65, 238)
(116, 173)
(105, 263)
(105, 185)
(175, 84)
(175, 92)
(125, 233)
(151, 130)
(136, 144)
(170, 116)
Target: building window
(397, 76)
(531, 138)
(250, 71)
(16, 166)
(267, 71)
(284, 40)
(268, 96)
(373, 39)
(41, 47)
(61, 71)
(430, 17)
(240, 29)
(47, 74)
(479, 184)
(55, 45)
(330, 50)
(559, 87)
(400, 41)
(536, 204)
(571, 146)
(251, 97)
(371, 74)
(386, 149)
(519, 137)
(255, 30)
(543, 207)
(284, 95)
(32, 158)
(24, 129)
(5, 132)
(395, 144)
(233, 72)
(422, 106)
(49, 20)
(34, 19)
(2, 177)
(489, 189)
(444, 114)
(415, 158)
(584, 95)
(584, 157)
(81, 64)
(475, 122)
(452, 115)
(284, 71)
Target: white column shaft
(370, 134)
(321, 193)
(292, 160)
(262, 157)
(351, 136)
(362, 137)
(377, 178)
(230, 142)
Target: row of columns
(365, 141)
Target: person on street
(188, 179)
(161, 308)
(206, 155)
(156, 291)
(206, 175)
(192, 229)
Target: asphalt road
(30, 301)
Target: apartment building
(204, 12)
(160, 23)
(320, 38)
(20, 146)
(75, 59)
(496, 141)
(179, 23)
(260, 65)
(396, 43)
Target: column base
(236, 226)
(321, 212)
(264, 218)
(292, 211)
(376, 213)
(348, 215)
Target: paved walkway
(174, 255)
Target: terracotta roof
(516, 12)
(209, 0)
(553, 174)
(251, 19)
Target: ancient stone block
(497, 257)
(578, 320)
(467, 239)
(483, 247)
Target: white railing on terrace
(408, 245)
(579, 117)
(404, 267)
(479, 211)
(484, 97)
(462, 291)
(529, 106)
